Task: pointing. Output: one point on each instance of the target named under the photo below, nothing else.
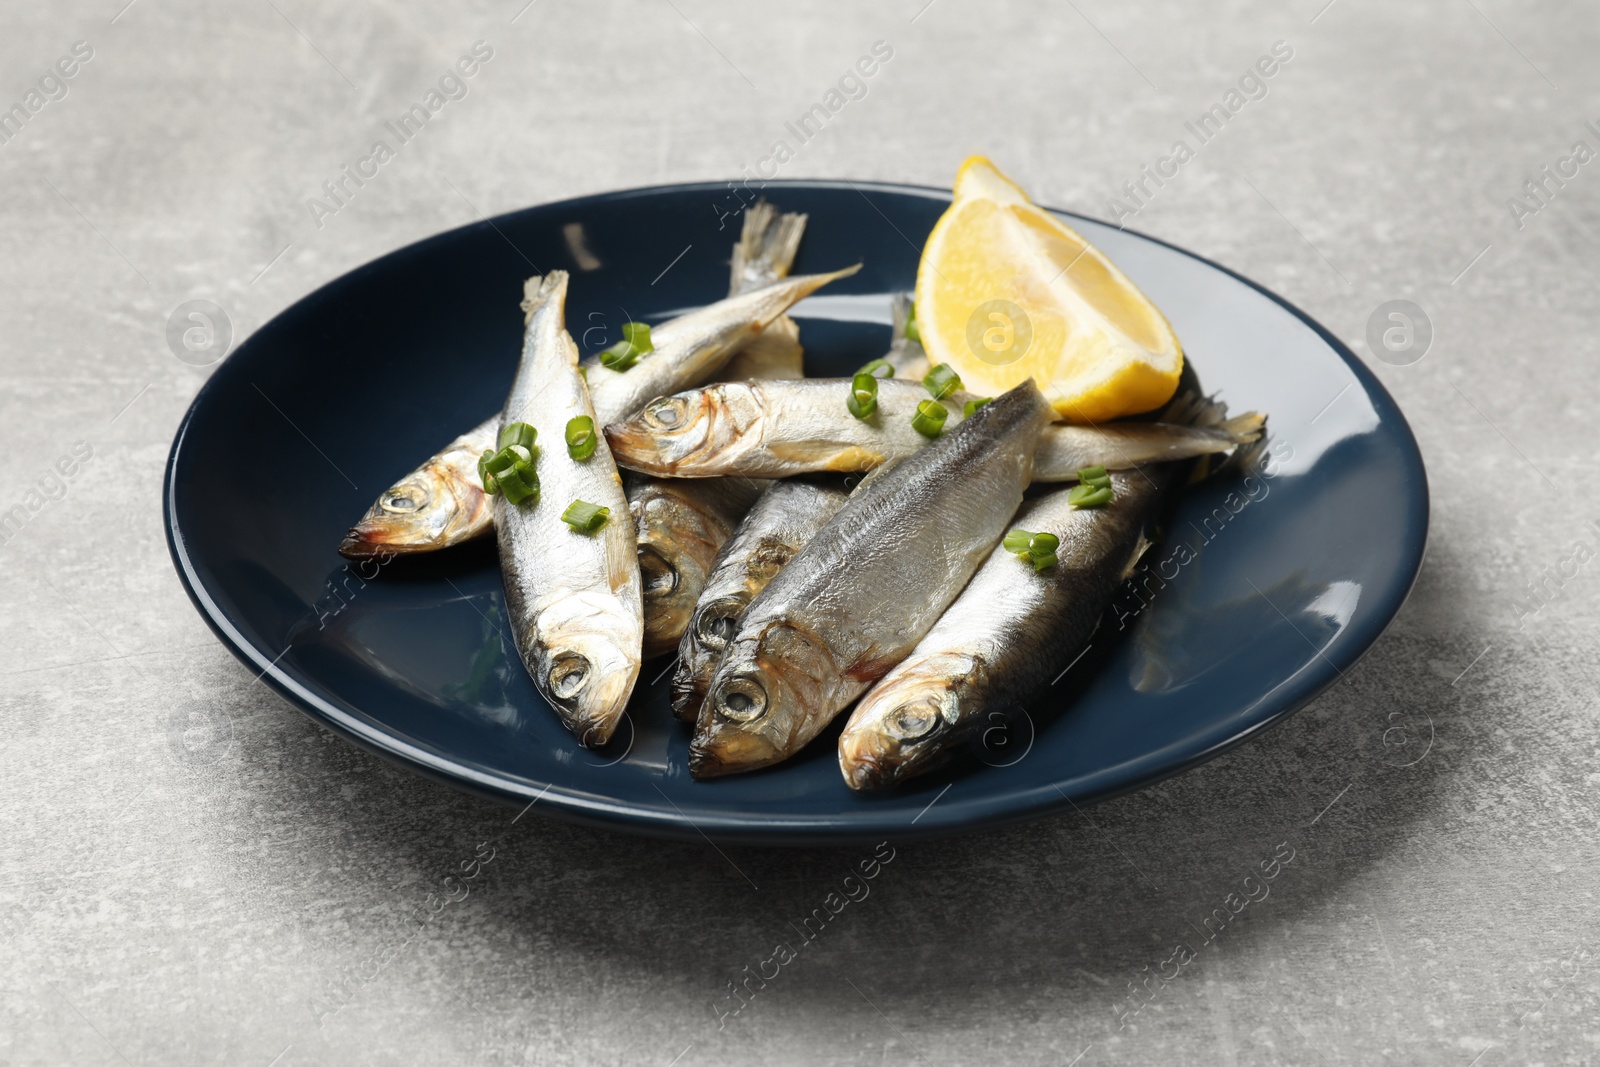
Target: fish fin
(1194, 409)
(773, 300)
(907, 356)
(825, 456)
(1139, 550)
(766, 247)
(900, 314)
(538, 291)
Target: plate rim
(766, 828)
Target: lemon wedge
(1006, 291)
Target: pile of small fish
(798, 556)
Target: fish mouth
(366, 540)
(634, 446)
(728, 752)
(869, 760)
(359, 544)
(688, 689)
(864, 774)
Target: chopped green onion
(637, 334)
(1095, 476)
(973, 405)
(626, 352)
(913, 331)
(518, 433)
(941, 381)
(619, 357)
(585, 517)
(929, 419)
(581, 439)
(490, 486)
(511, 470)
(1089, 496)
(1017, 541)
(863, 396)
(1038, 549)
(878, 368)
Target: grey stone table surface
(191, 872)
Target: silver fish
(774, 429)
(681, 525)
(442, 503)
(1006, 636)
(573, 599)
(864, 590)
(777, 527)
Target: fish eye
(717, 624)
(666, 413)
(568, 674)
(911, 721)
(404, 499)
(741, 700)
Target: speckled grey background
(193, 873)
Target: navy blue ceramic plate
(1263, 591)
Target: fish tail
(1207, 412)
(767, 246)
(900, 309)
(538, 291)
(1245, 429)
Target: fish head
(908, 723)
(678, 544)
(714, 624)
(583, 656)
(671, 434)
(773, 691)
(438, 504)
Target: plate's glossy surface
(1259, 598)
